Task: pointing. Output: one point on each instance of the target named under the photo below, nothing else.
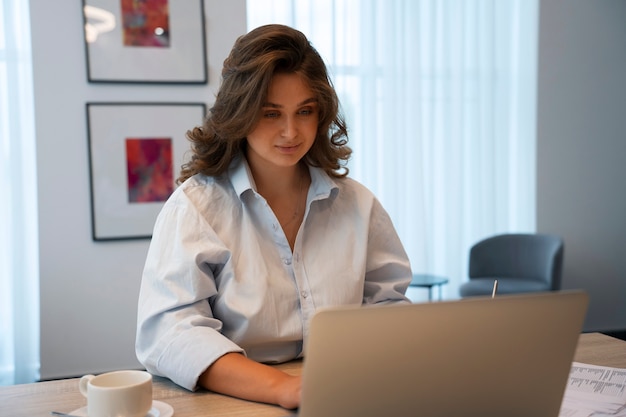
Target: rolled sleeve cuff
(189, 355)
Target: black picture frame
(121, 166)
(118, 52)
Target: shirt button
(287, 261)
(304, 294)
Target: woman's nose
(289, 128)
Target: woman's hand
(289, 391)
(235, 375)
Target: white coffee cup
(118, 393)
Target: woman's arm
(388, 271)
(235, 375)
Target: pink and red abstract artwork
(150, 169)
(146, 23)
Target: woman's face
(287, 124)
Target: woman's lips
(287, 148)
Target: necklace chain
(296, 210)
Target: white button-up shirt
(220, 275)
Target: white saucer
(159, 409)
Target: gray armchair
(520, 262)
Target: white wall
(581, 145)
(89, 290)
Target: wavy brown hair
(246, 76)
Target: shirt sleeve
(177, 335)
(388, 270)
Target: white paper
(596, 391)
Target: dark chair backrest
(535, 256)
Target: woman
(264, 229)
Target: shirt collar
(240, 176)
(322, 185)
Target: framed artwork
(135, 153)
(145, 41)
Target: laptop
(504, 357)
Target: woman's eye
(306, 112)
(271, 114)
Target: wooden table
(38, 399)
(602, 350)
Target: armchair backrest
(534, 256)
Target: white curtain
(439, 97)
(19, 285)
